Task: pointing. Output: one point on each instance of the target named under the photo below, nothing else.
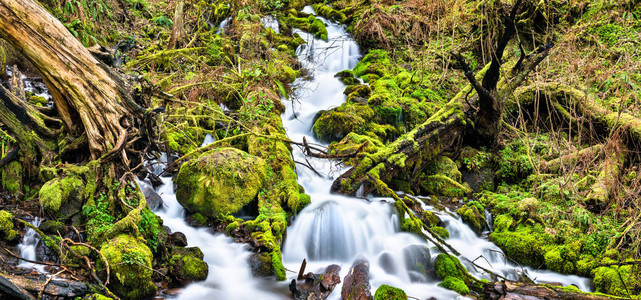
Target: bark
(443, 131)
(522, 291)
(178, 30)
(83, 89)
(608, 177)
(356, 285)
(13, 291)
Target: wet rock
(45, 253)
(386, 261)
(154, 201)
(178, 239)
(7, 231)
(220, 181)
(261, 264)
(316, 286)
(418, 261)
(356, 285)
(186, 265)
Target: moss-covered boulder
(220, 181)
(186, 265)
(386, 292)
(473, 214)
(354, 142)
(130, 265)
(522, 246)
(617, 280)
(62, 197)
(12, 177)
(449, 269)
(445, 166)
(52, 227)
(335, 124)
(442, 185)
(7, 232)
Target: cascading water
(336, 229)
(28, 246)
(229, 275)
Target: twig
(47, 283)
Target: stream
(335, 229)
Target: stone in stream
(154, 201)
(316, 286)
(178, 239)
(356, 285)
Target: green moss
(335, 124)
(473, 214)
(151, 228)
(523, 247)
(12, 177)
(130, 265)
(455, 284)
(443, 165)
(448, 266)
(62, 197)
(186, 265)
(616, 280)
(277, 265)
(199, 219)
(386, 292)
(329, 13)
(307, 23)
(375, 62)
(220, 181)
(429, 218)
(440, 231)
(7, 232)
(412, 225)
(441, 185)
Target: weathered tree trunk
(558, 165)
(522, 291)
(178, 30)
(87, 95)
(356, 284)
(316, 286)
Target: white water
(336, 229)
(27, 248)
(333, 229)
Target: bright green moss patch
(62, 197)
(473, 214)
(375, 62)
(618, 281)
(12, 177)
(7, 232)
(455, 284)
(186, 265)
(386, 292)
(329, 13)
(441, 231)
(305, 22)
(449, 269)
(220, 181)
(412, 225)
(522, 246)
(130, 265)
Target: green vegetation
(386, 292)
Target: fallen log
(55, 287)
(15, 292)
(559, 165)
(608, 177)
(517, 291)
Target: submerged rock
(221, 181)
(356, 285)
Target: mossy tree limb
(515, 290)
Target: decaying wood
(356, 284)
(82, 88)
(9, 289)
(178, 30)
(508, 290)
(605, 184)
(558, 165)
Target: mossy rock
(376, 62)
(386, 292)
(130, 265)
(334, 125)
(329, 13)
(220, 181)
(412, 225)
(617, 280)
(52, 227)
(7, 231)
(455, 284)
(12, 178)
(523, 247)
(441, 231)
(358, 93)
(473, 214)
(430, 218)
(186, 265)
(62, 197)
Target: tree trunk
(87, 95)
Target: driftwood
(356, 284)
(55, 287)
(315, 286)
(508, 290)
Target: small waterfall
(229, 276)
(28, 246)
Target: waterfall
(28, 247)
